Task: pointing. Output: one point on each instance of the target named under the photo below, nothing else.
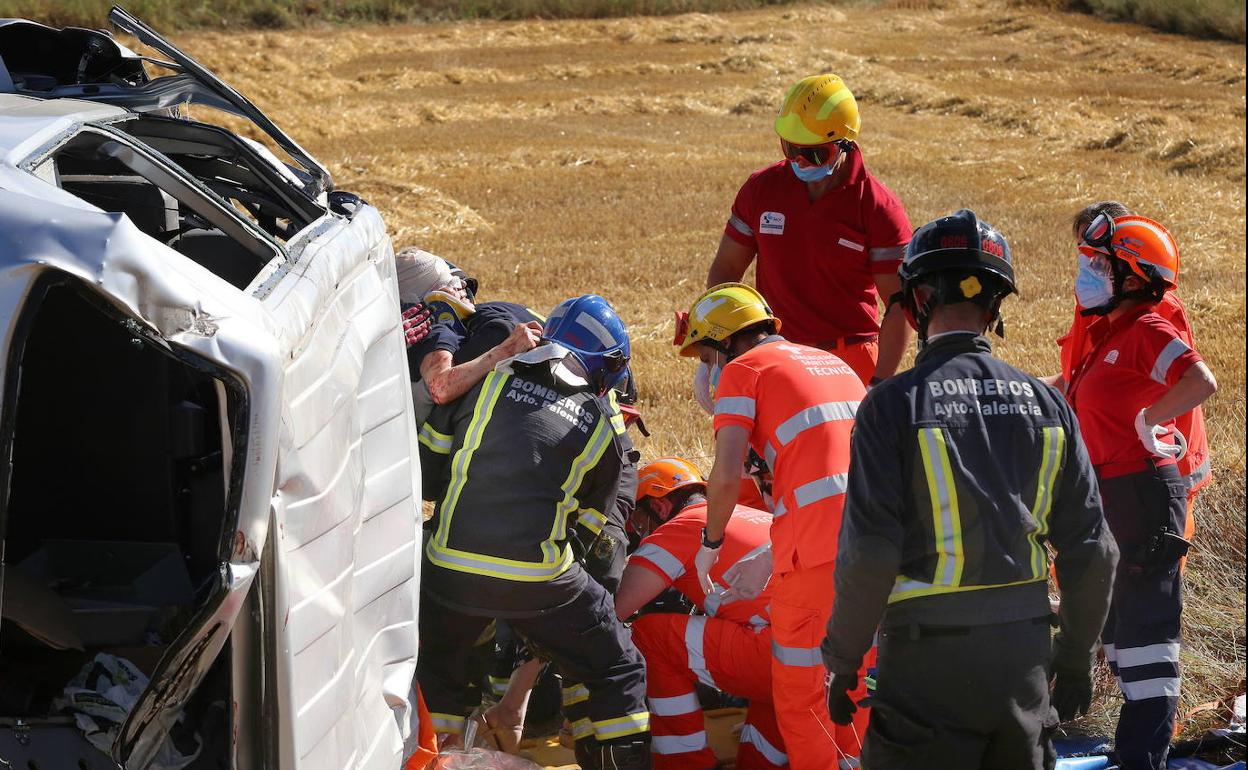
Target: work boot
(586, 751)
(629, 755)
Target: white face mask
(1094, 286)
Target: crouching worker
(963, 472)
(513, 463)
(728, 648)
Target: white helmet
(419, 273)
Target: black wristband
(710, 543)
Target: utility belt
(917, 631)
(840, 343)
(1127, 467)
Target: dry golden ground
(556, 158)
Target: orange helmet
(662, 477)
(1144, 246)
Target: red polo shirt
(1195, 465)
(1134, 361)
(814, 266)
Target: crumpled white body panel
(346, 506)
(331, 454)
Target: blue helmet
(589, 328)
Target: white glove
(1150, 437)
(702, 388)
(749, 576)
(703, 563)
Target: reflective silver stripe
(693, 643)
(661, 558)
(1166, 652)
(814, 491)
(738, 405)
(944, 499)
(1199, 474)
(575, 694)
(498, 567)
(592, 520)
(678, 744)
(849, 763)
(447, 723)
(1162, 687)
(606, 729)
(820, 489)
(1111, 653)
(757, 622)
(595, 326)
(796, 656)
(886, 254)
(1173, 349)
(675, 705)
(713, 602)
(740, 226)
(582, 728)
(437, 442)
(769, 454)
(751, 735)
(831, 411)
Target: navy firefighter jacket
(964, 472)
(512, 466)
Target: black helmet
(964, 259)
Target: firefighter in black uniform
(513, 465)
(964, 472)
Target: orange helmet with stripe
(664, 476)
(1144, 246)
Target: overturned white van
(208, 455)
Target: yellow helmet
(719, 313)
(817, 110)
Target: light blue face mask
(812, 173)
(1094, 286)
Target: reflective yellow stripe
(617, 419)
(481, 414)
(587, 459)
(912, 589)
(618, 728)
(582, 728)
(435, 441)
(536, 314)
(493, 566)
(447, 723)
(1050, 462)
(946, 521)
(575, 694)
(592, 520)
(440, 553)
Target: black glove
(1072, 692)
(841, 707)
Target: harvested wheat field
(557, 158)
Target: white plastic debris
(101, 696)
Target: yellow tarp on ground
(721, 731)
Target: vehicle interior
(234, 238)
(115, 513)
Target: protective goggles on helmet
(814, 154)
(1099, 234)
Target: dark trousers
(962, 698)
(604, 556)
(583, 638)
(1147, 513)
